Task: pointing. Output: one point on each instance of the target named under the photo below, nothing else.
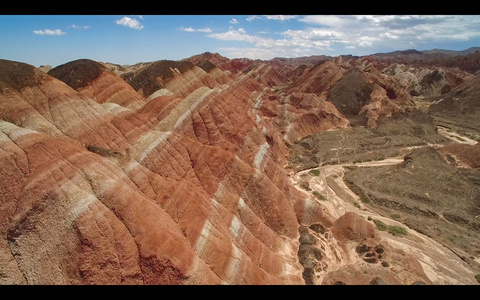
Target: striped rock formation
(184, 190)
(171, 174)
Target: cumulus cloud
(233, 21)
(398, 30)
(129, 22)
(250, 52)
(49, 32)
(251, 18)
(326, 20)
(357, 35)
(296, 42)
(235, 35)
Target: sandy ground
(454, 136)
(441, 265)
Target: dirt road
(442, 265)
(454, 136)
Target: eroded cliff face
(172, 174)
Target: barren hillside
(213, 171)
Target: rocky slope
(93, 80)
(459, 108)
(179, 172)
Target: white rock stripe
(257, 161)
(74, 112)
(79, 201)
(233, 268)
(158, 93)
(13, 132)
(154, 138)
(192, 105)
(203, 238)
(235, 226)
(115, 108)
(148, 142)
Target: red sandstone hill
(174, 173)
(204, 176)
(94, 81)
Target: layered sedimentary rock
(178, 77)
(95, 81)
(217, 207)
(172, 173)
(364, 95)
(426, 81)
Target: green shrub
(393, 230)
(319, 195)
(396, 230)
(305, 186)
(477, 277)
(380, 225)
(314, 172)
(365, 200)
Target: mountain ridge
(218, 59)
(216, 171)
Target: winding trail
(454, 136)
(440, 264)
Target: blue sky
(129, 39)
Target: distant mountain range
(452, 52)
(466, 60)
(432, 51)
(434, 57)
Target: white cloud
(324, 20)
(235, 35)
(267, 48)
(191, 29)
(251, 52)
(271, 17)
(280, 17)
(251, 18)
(366, 41)
(204, 30)
(358, 35)
(49, 32)
(389, 35)
(79, 27)
(129, 22)
(233, 21)
(396, 31)
(313, 34)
